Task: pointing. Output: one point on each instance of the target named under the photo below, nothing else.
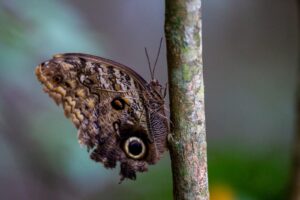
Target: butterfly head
(158, 88)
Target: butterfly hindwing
(120, 117)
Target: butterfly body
(120, 117)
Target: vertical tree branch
(188, 140)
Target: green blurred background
(250, 60)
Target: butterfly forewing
(119, 116)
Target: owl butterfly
(119, 116)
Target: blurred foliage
(40, 156)
(249, 174)
(222, 192)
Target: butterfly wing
(119, 116)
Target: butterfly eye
(118, 103)
(57, 78)
(135, 147)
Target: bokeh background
(250, 67)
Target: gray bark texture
(187, 143)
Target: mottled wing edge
(135, 75)
(142, 82)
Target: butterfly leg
(165, 89)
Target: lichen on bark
(187, 142)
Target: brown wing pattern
(119, 116)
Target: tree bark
(187, 143)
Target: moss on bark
(187, 143)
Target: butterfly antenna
(149, 64)
(160, 43)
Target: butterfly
(120, 117)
